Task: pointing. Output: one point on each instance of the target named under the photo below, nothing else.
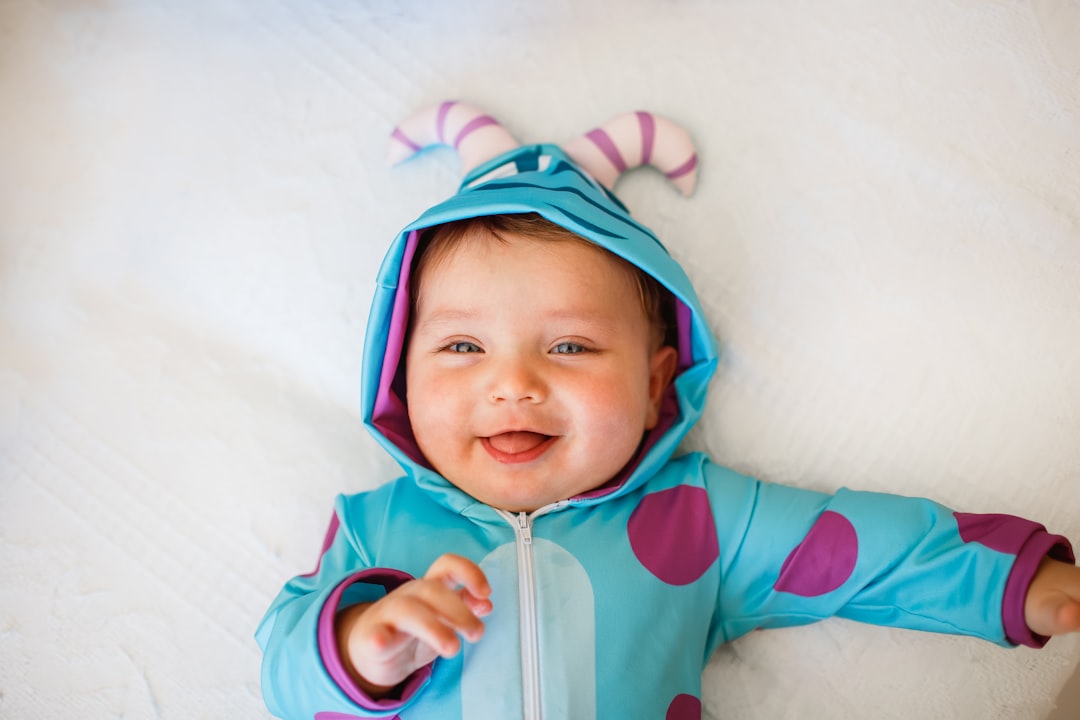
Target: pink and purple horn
(477, 137)
(633, 139)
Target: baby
(533, 359)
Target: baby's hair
(435, 244)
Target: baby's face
(530, 369)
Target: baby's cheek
(618, 420)
(432, 437)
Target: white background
(193, 204)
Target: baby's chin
(516, 498)
(517, 502)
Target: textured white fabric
(193, 203)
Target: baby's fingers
(1067, 616)
(417, 620)
(479, 607)
(1052, 606)
(1055, 614)
(457, 609)
(432, 613)
(457, 571)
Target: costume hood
(569, 186)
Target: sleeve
(791, 556)
(302, 673)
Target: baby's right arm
(383, 642)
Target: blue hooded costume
(610, 604)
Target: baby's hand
(382, 643)
(1052, 606)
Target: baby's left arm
(1052, 606)
(796, 556)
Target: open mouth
(518, 446)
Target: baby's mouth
(516, 442)
(517, 446)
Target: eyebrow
(587, 318)
(445, 315)
(442, 316)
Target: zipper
(530, 648)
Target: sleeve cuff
(388, 579)
(1039, 545)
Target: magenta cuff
(1039, 545)
(328, 650)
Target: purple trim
(399, 320)
(440, 119)
(604, 143)
(328, 649)
(389, 414)
(1003, 533)
(684, 320)
(404, 139)
(1039, 546)
(331, 533)
(474, 124)
(648, 135)
(1030, 543)
(685, 169)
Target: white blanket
(193, 204)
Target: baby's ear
(661, 372)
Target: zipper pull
(526, 529)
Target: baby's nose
(517, 380)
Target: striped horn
(477, 137)
(633, 139)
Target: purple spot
(1003, 533)
(342, 716)
(672, 534)
(823, 561)
(684, 707)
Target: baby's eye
(463, 347)
(568, 348)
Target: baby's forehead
(579, 263)
(437, 253)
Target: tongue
(516, 442)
